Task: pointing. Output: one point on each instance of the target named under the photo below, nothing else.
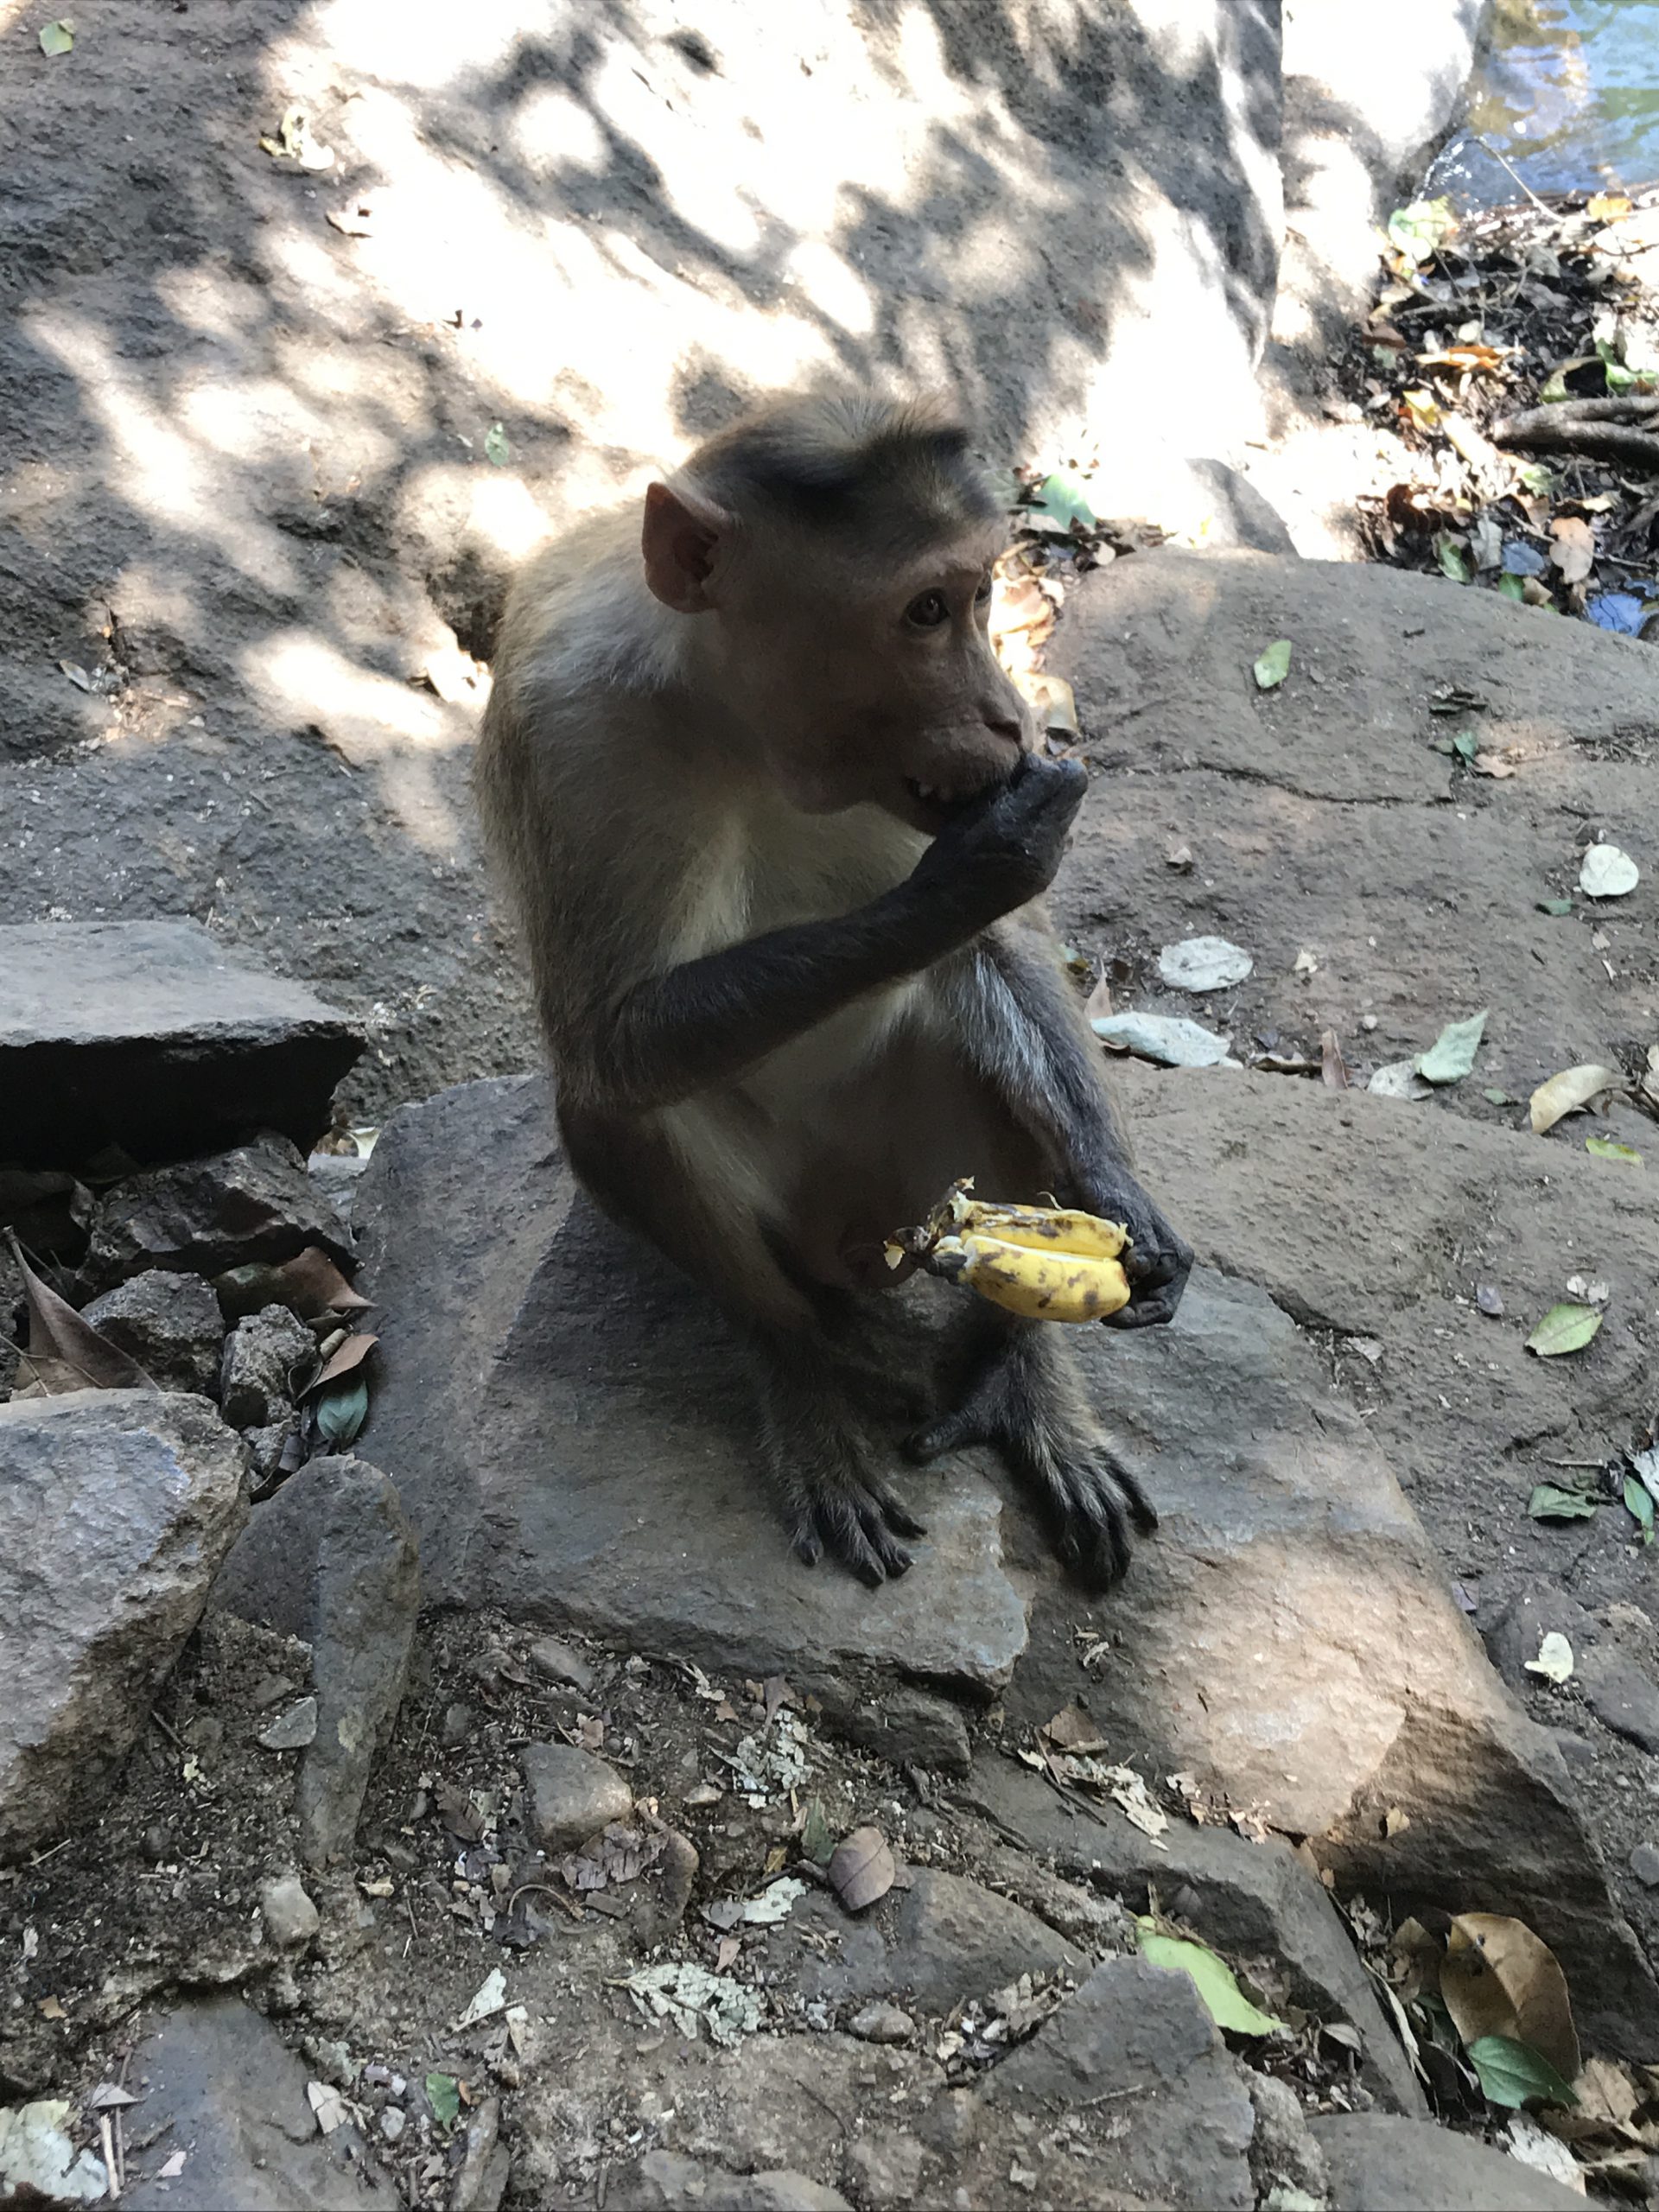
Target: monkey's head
(840, 553)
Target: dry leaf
(1099, 1002)
(312, 1284)
(1566, 1092)
(1575, 547)
(351, 1354)
(1333, 1067)
(860, 1869)
(65, 1353)
(1072, 1730)
(1499, 1979)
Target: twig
(1537, 432)
(1542, 207)
(113, 2172)
(170, 1732)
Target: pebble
(880, 2023)
(557, 1662)
(457, 1724)
(572, 1794)
(289, 1916)
(392, 2123)
(293, 1730)
(1644, 1865)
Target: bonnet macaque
(774, 821)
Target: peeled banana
(1049, 1264)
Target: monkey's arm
(1032, 1042)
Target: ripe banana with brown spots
(1048, 1263)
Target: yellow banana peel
(1050, 1264)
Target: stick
(1609, 441)
(1543, 205)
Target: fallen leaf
(1333, 1069)
(355, 219)
(1127, 1792)
(58, 36)
(1565, 1328)
(860, 1869)
(1638, 1502)
(328, 2104)
(1607, 872)
(1394, 1822)
(1575, 547)
(818, 1842)
(65, 1353)
(1589, 1290)
(1569, 1090)
(1212, 1977)
(1305, 963)
(350, 1356)
(1554, 1659)
(1536, 2147)
(489, 1999)
(1272, 666)
(293, 142)
(1557, 906)
(1549, 1502)
(1606, 206)
(1511, 2073)
(342, 1411)
(1499, 1979)
(171, 2167)
(1453, 1053)
(1204, 964)
(1073, 1729)
(443, 2095)
(726, 1956)
(1512, 587)
(1611, 1148)
(77, 675)
(1486, 538)
(496, 448)
(1399, 1079)
(1171, 1040)
(1059, 504)
(1452, 554)
(1098, 1005)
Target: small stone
(557, 1662)
(1644, 1865)
(880, 2023)
(170, 1323)
(393, 2120)
(294, 1729)
(289, 1914)
(572, 1794)
(157, 1843)
(271, 1689)
(265, 1448)
(885, 2168)
(203, 1216)
(1621, 1695)
(262, 1354)
(456, 1726)
(1488, 1299)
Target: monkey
(777, 828)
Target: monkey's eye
(983, 596)
(928, 611)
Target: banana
(1048, 1264)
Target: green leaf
(1272, 666)
(1228, 2005)
(1421, 230)
(1549, 1502)
(1564, 1328)
(1611, 1148)
(495, 448)
(818, 1837)
(1639, 1505)
(443, 2095)
(1554, 392)
(1496, 1097)
(1511, 2074)
(1512, 587)
(1466, 744)
(343, 1410)
(1555, 906)
(1453, 1053)
(1537, 476)
(1059, 504)
(58, 37)
(1454, 558)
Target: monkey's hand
(1156, 1260)
(1006, 846)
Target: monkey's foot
(1023, 1404)
(857, 1519)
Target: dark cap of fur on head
(901, 475)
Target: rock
(1257, 1902)
(170, 1323)
(1644, 1865)
(911, 1727)
(1143, 2034)
(393, 2120)
(265, 1447)
(289, 1914)
(219, 2082)
(513, 1322)
(331, 1559)
(1619, 1693)
(482, 2178)
(152, 1036)
(943, 1939)
(116, 1509)
(885, 2167)
(39, 2162)
(47, 1211)
(659, 1899)
(880, 2023)
(294, 1729)
(204, 1216)
(11, 1306)
(665, 2179)
(572, 1796)
(1283, 2153)
(262, 1354)
(1538, 1609)
(1375, 2158)
(560, 1663)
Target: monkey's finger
(1143, 1312)
(968, 1425)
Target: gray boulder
(170, 1323)
(116, 1509)
(262, 1356)
(572, 1794)
(204, 1216)
(1378, 2162)
(153, 1036)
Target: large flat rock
(116, 1509)
(572, 1437)
(151, 1036)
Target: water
(1568, 92)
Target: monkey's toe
(861, 1529)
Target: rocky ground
(404, 1798)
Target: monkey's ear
(680, 540)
